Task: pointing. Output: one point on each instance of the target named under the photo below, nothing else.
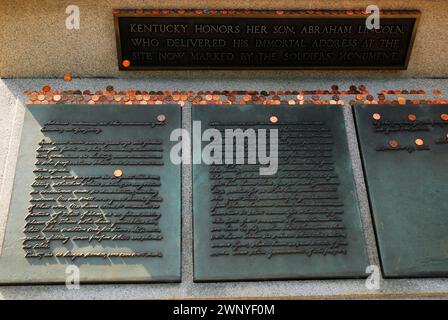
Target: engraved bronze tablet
(299, 220)
(405, 156)
(264, 40)
(94, 188)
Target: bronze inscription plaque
(94, 189)
(301, 221)
(147, 41)
(405, 156)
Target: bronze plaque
(301, 221)
(405, 155)
(263, 41)
(95, 194)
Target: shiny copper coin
(161, 118)
(412, 117)
(444, 116)
(376, 116)
(41, 97)
(126, 63)
(208, 97)
(419, 142)
(401, 100)
(273, 119)
(393, 144)
(118, 173)
(68, 77)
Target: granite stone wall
(36, 43)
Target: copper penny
(376, 116)
(273, 119)
(161, 118)
(419, 142)
(412, 117)
(444, 116)
(393, 144)
(126, 63)
(118, 173)
(67, 77)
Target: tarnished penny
(118, 173)
(273, 119)
(393, 144)
(419, 142)
(412, 117)
(376, 116)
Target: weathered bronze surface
(302, 222)
(94, 188)
(147, 41)
(405, 156)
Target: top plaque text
(263, 40)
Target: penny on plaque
(69, 209)
(407, 186)
(118, 173)
(290, 215)
(393, 144)
(419, 142)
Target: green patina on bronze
(112, 205)
(301, 223)
(405, 155)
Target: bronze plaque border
(385, 14)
